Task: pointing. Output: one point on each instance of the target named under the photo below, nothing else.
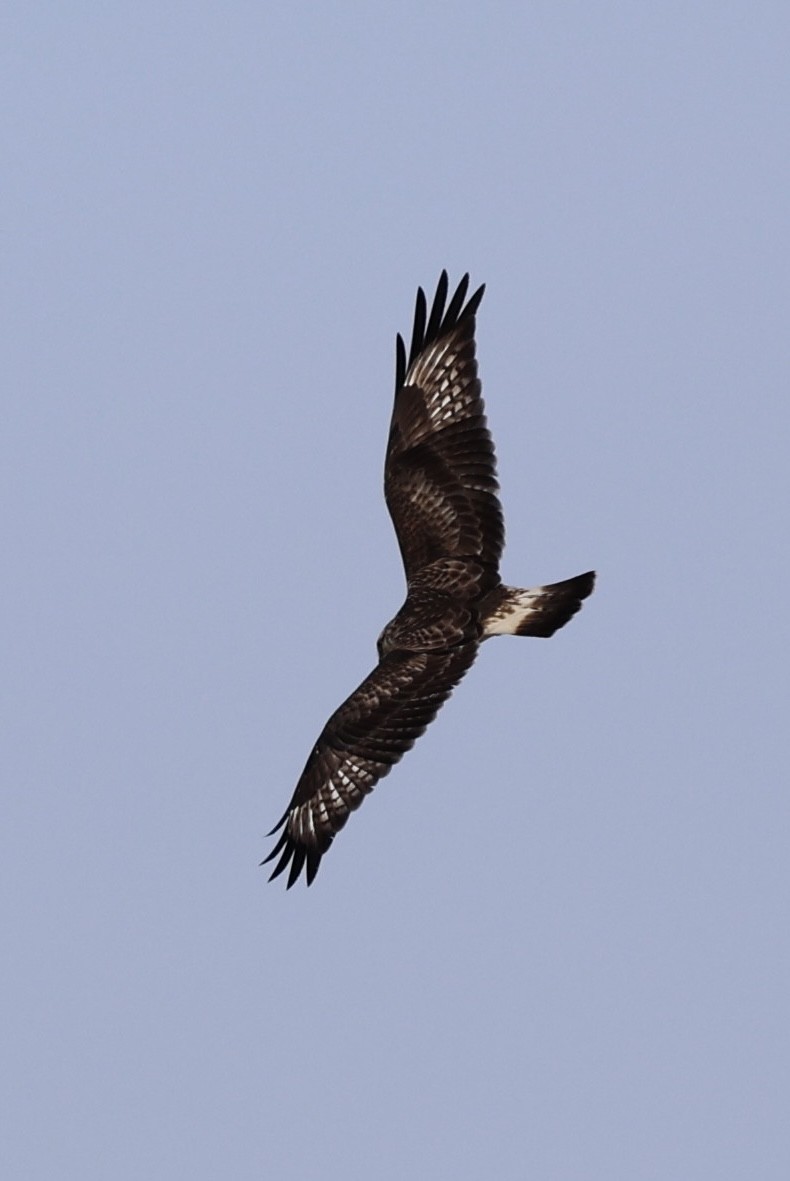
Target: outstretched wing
(440, 473)
(362, 740)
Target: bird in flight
(442, 494)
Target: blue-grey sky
(554, 943)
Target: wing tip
(299, 857)
(400, 362)
(443, 318)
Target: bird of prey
(442, 494)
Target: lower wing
(360, 743)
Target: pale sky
(554, 942)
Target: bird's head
(381, 643)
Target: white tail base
(513, 611)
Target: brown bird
(442, 494)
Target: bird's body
(442, 493)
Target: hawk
(442, 494)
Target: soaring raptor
(441, 490)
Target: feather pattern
(359, 745)
(441, 490)
(440, 479)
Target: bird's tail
(511, 611)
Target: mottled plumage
(441, 490)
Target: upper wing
(359, 744)
(440, 472)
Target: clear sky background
(554, 943)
